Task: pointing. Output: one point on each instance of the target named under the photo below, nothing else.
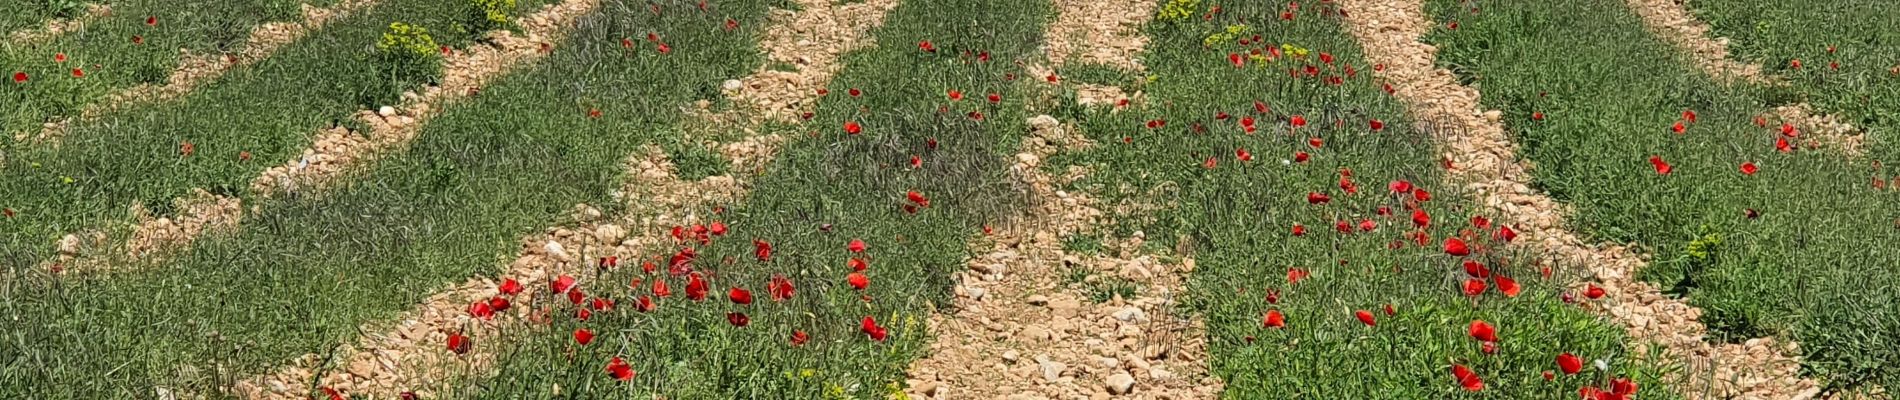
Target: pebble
(1120, 383)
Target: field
(949, 199)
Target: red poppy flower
(1342, 226)
(576, 296)
(1274, 319)
(1420, 218)
(926, 46)
(510, 287)
(151, 21)
(1781, 145)
(762, 250)
(1299, 230)
(1052, 78)
(1748, 168)
(1366, 225)
(870, 328)
(856, 246)
(661, 289)
(1421, 195)
(854, 92)
(1483, 331)
(1273, 296)
(498, 303)
(1506, 233)
(601, 304)
(858, 280)
(59, 57)
(1456, 247)
(1593, 292)
(738, 319)
(1317, 198)
(1467, 379)
(644, 304)
(79, 73)
(1294, 275)
(799, 338)
(1678, 128)
(995, 98)
(619, 369)
(1364, 317)
(1242, 155)
(1622, 387)
(459, 344)
(780, 288)
(19, 77)
(481, 309)
(1508, 286)
(1301, 157)
(1662, 167)
(852, 127)
(695, 287)
(1476, 269)
(583, 336)
(1237, 60)
(1377, 125)
(918, 198)
(857, 265)
(1297, 121)
(1570, 364)
(740, 296)
(1688, 115)
(561, 284)
(1389, 311)
(1474, 287)
(718, 228)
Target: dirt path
(1669, 20)
(59, 26)
(1023, 325)
(1486, 163)
(411, 354)
(196, 69)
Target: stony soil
(1485, 161)
(1020, 330)
(56, 27)
(1669, 20)
(195, 69)
(409, 354)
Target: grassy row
(302, 275)
(822, 193)
(1239, 217)
(250, 119)
(121, 50)
(1850, 68)
(1800, 249)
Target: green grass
(856, 184)
(1817, 266)
(1239, 215)
(270, 109)
(303, 274)
(106, 52)
(1848, 67)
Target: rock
(69, 245)
(976, 293)
(556, 250)
(1130, 314)
(609, 233)
(1108, 362)
(386, 111)
(1011, 356)
(732, 84)
(928, 389)
(1160, 374)
(1035, 333)
(1120, 383)
(1052, 370)
(1038, 300)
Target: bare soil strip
(59, 26)
(196, 69)
(1669, 20)
(335, 151)
(1485, 160)
(1022, 330)
(1019, 330)
(411, 354)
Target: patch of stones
(1485, 161)
(1022, 329)
(1672, 22)
(196, 69)
(410, 355)
(59, 26)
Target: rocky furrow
(1020, 330)
(196, 69)
(59, 26)
(411, 354)
(1484, 160)
(1669, 20)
